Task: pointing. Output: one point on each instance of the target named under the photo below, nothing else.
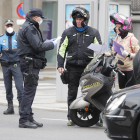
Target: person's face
(9, 25)
(78, 22)
(37, 19)
(117, 28)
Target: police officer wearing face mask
(31, 50)
(10, 65)
(74, 42)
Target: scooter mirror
(120, 62)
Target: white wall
(125, 10)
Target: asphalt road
(54, 128)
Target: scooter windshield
(92, 63)
(98, 55)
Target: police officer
(10, 65)
(75, 41)
(31, 50)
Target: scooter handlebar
(121, 72)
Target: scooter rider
(75, 41)
(10, 65)
(31, 50)
(130, 44)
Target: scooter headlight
(83, 82)
(116, 102)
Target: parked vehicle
(122, 111)
(96, 88)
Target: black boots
(27, 125)
(10, 109)
(37, 123)
(30, 124)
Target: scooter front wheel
(85, 117)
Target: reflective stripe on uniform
(69, 56)
(63, 47)
(90, 57)
(95, 41)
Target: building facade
(8, 11)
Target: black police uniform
(75, 44)
(10, 66)
(30, 44)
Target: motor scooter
(96, 88)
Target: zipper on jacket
(10, 43)
(77, 37)
(83, 39)
(77, 50)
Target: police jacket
(30, 41)
(75, 44)
(8, 47)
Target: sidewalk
(46, 92)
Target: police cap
(9, 22)
(36, 12)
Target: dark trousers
(28, 96)
(127, 80)
(8, 72)
(74, 77)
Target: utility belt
(40, 63)
(6, 63)
(30, 78)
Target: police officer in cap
(31, 50)
(74, 42)
(10, 65)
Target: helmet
(80, 12)
(125, 21)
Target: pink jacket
(128, 62)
